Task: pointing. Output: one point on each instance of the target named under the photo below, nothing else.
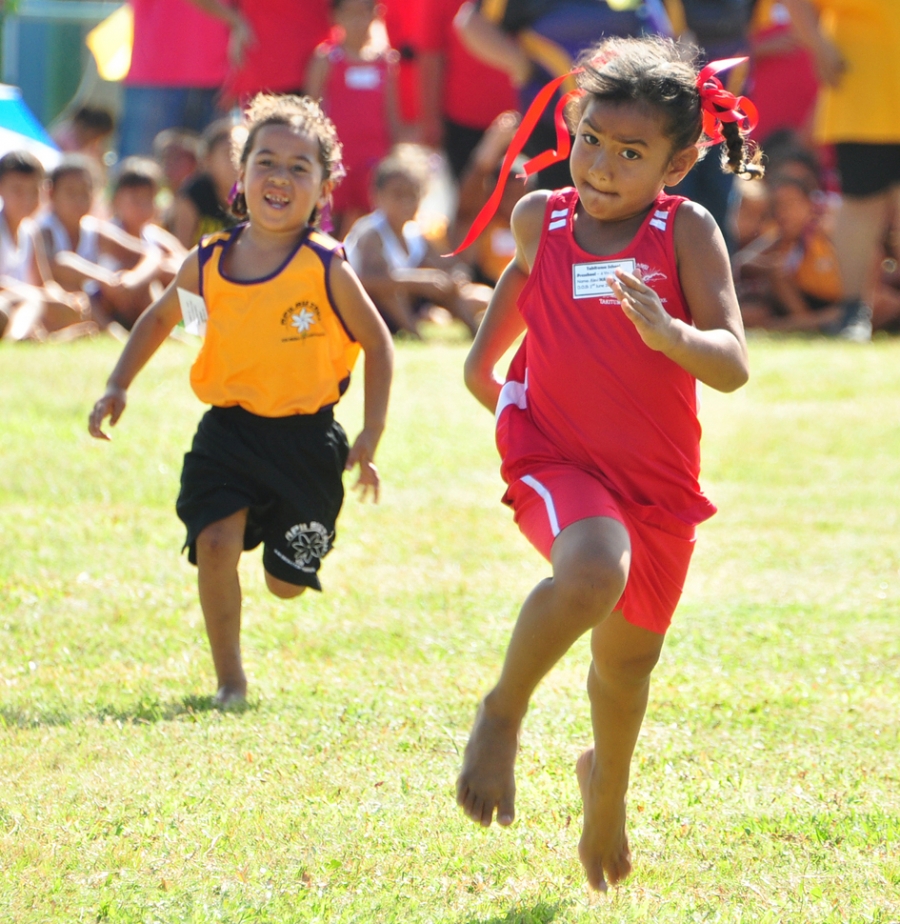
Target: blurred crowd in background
(426, 96)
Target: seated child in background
(201, 203)
(356, 78)
(88, 254)
(398, 267)
(133, 206)
(495, 246)
(87, 131)
(179, 152)
(32, 305)
(797, 281)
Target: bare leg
(219, 548)
(283, 589)
(590, 566)
(862, 224)
(618, 685)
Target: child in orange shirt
(285, 319)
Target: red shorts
(546, 497)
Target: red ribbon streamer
(539, 104)
(718, 105)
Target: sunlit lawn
(767, 780)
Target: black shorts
(286, 470)
(867, 169)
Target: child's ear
(680, 165)
(325, 195)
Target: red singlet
(592, 422)
(355, 99)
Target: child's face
(398, 199)
(134, 206)
(220, 165)
(283, 179)
(793, 211)
(71, 197)
(355, 17)
(621, 159)
(21, 194)
(178, 164)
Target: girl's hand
(110, 405)
(362, 453)
(644, 309)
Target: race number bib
(589, 279)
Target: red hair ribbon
(718, 105)
(540, 162)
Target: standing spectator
(402, 21)
(536, 40)
(178, 63)
(779, 60)
(271, 43)
(721, 30)
(357, 82)
(856, 46)
(461, 95)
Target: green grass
(766, 785)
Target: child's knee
(592, 583)
(623, 668)
(283, 589)
(220, 540)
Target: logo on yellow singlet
(302, 320)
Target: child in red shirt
(357, 82)
(625, 297)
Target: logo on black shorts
(310, 542)
(302, 320)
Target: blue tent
(20, 129)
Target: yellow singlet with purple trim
(275, 346)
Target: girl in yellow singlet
(286, 318)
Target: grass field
(766, 785)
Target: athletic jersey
(17, 256)
(275, 346)
(406, 255)
(600, 398)
(355, 99)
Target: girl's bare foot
(603, 847)
(487, 780)
(228, 695)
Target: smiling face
(621, 159)
(283, 178)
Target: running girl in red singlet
(286, 318)
(626, 298)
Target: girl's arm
(502, 322)
(152, 328)
(713, 349)
(142, 262)
(392, 103)
(316, 74)
(488, 42)
(363, 320)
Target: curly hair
(659, 73)
(301, 113)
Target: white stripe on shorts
(547, 497)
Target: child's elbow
(739, 377)
(472, 374)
